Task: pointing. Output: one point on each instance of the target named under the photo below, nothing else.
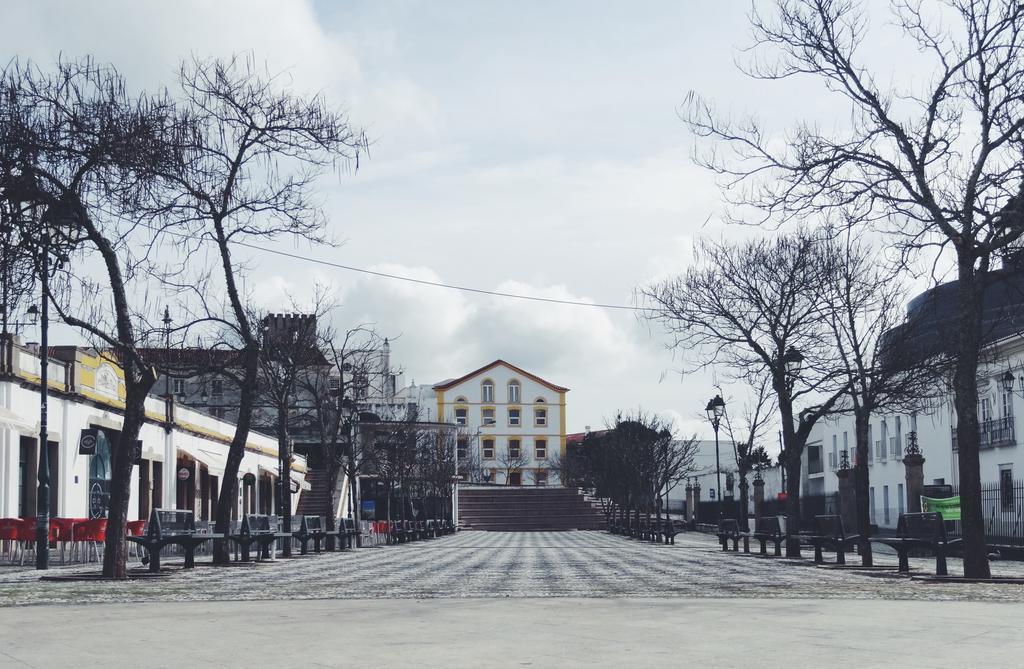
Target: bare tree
(81, 151)
(873, 339)
(753, 307)
(936, 164)
(247, 158)
(334, 415)
(514, 460)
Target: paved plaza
(501, 599)
(498, 565)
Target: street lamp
(167, 351)
(715, 410)
(793, 360)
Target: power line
(424, 282)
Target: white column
(8, 472)
(170, 474)
(68, 451)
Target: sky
(532, 148)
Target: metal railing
(1002, 508)
(994, 432)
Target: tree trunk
(284, 455)
(792, 466)
(965, 388)
(792, 502)
(332, 469)
(115, 551)
(229, 487)
(861, 484)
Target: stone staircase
(515, 509)
(312, 501)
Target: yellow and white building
(183, 452)
(513, 419)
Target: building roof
(577, 437)
(453, 382)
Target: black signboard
(937, 491)
(87, 441)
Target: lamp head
(793, 360)
(1007, 381)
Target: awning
(214, 460)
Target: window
(540, 478)
(513, 417)
(885, 503)
(1006, 408)
(515, 449)
(179, 386)
(1006, 487)
(900, 497)
(487, 391)
(462, 448)
(334, 383)
(488, 416)
(488, 449)
(871, 500)
(871, 452)
(883, 443)
(540, 417)
(513, 392)
(897, 447)
(461, 415)
(540, 449)
(986, 409)
(217, 388)
(833, 457)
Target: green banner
(949, 507)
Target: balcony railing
(994, 432)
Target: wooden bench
(729, 529)
(921, 530)
(260, 530)
(167, 527)
(769, 529)
(829, 532)
(348, 532)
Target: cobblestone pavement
(498, 565)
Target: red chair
(92, 533)
(10, 536)
(62, 532)
(135, 528)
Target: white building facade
(514, 418)
(934, 429)
(183, 451)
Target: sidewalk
(510, 632)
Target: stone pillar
(689, 503)
(758, 501)
(847, 500)
(696, 502)
(914, 462)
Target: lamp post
(43, 490)
(715, 410)
(167, 351)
